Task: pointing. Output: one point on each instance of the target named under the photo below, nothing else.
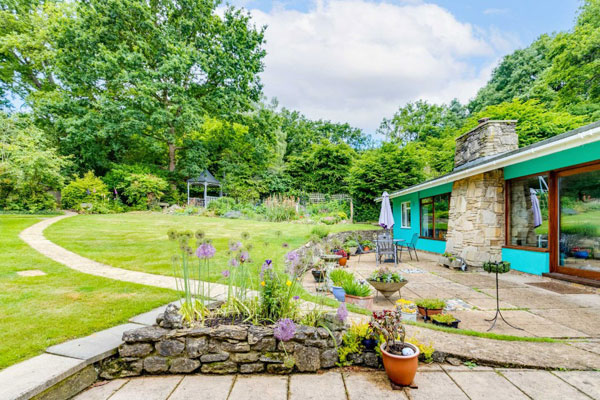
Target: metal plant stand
(498, 312)
(331, 260)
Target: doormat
(559, 288)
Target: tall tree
(154, 68)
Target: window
(405, 219)
(528, 217)
(434, 216)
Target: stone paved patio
(435, 382)
(540, 312)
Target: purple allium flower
(225, 273)
(267, 266)
(206, 250)
(296, 297)
(285, 329)
(235, 246)
(244, 256)
(233, 262)
(342, 312)
(292, 257)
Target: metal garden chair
(412, 245)
(385, 247)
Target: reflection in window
(434, 216)
(529, 211)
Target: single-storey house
(537, 207)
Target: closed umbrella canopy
(386, 218)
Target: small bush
(221, 206)
(88, 189)
(320, 231)
(339, 276)
(144, 190)
(280, 208)
(355, 288)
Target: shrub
(355, 288)
(430, 304)
(280, 208)
(340, 276)
(144, 190)
(88, 189)
(320, 231)
(221, 205)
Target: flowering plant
(388, 325)
(406, 306)
(385, 275)
(342, 252)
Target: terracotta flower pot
(365, 302)
(400, 369)
(342, 261)
(426, 312)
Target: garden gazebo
(207, 179)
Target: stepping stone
(327, 386)
(543, 385)
(94, 347)
(31, 377)
(371, 385)
(214, 387)
(151, 388)
(101, 392)
(31, 272)
(259, 387)
(486, 386)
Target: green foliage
(384, 275)
(221, 205)
(425, 350)
(491, 267)
(443, 318)
(320, 231)
(280, 208)
(352, 342)
(431, 304)
(87, 189)
(339, 276)
(355, 288)
(29, 166)
(144, 190)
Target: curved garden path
(34, 237)
(583, 355)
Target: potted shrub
(318, 271)
(352, 246)
(387, 282)
(408, 309)
(428, 307)
(493, 267)
(445, 320)
(400, 359)
(367, 245)
(343, 257)
(338, 277)
(358, 293)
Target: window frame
(402, 214)
(430, 200)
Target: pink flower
(285, 329)
(225, 273)
(233, 262)
(342, 312)
(206, 250)
(244, 256)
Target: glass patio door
(579, 222)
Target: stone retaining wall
(226, 349)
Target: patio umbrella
(386, 218)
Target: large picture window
(405, 207)
(528, 204)
(434, 216)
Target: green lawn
(138, 241)
(37, 312)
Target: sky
(357, 61)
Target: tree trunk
(172, 149)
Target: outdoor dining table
(398, 243)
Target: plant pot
(370, 344)
(426, 312)
(400, 369)
(409, 316)
(387, 289)
(342, 261)
(318, 275)
(353, 250)
(365, 302)
(445, 261)
(450, 325)
(366, 248)
(338, 293)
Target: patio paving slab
(486, 386)
(542, 385)
(584, 320)
(260, 387)
(327, 386)
(436, 385)
(94, 347)
(103, 391)
(214, 387)
(531, 297)
(592, 345)
(371, 385)
(31, 377)
(148, 388)
(586, 381)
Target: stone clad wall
(476, 218)
(489, 138)
(225, 349)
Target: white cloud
(357, 61)
(495, 11)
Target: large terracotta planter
(426, 312)
(400, 369)
(387, 289)
(342, 261)
(365, 302)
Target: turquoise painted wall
(532, 262)
(577, 155)
(435, 246)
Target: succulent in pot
(428, 307)
(445, 320)
(400, 359)
(387, 282)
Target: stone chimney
(489, 138)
